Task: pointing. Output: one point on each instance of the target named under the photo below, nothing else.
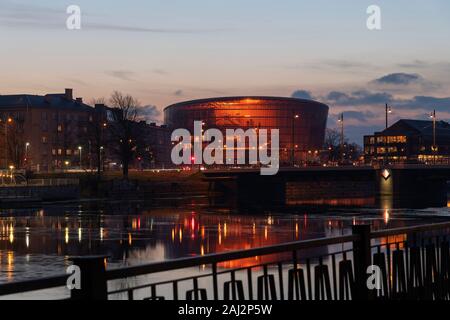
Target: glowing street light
(7, 120)
(294, 116)
(434, 148)
(80, 148)
(27, 145)
(388, 111)
(341, 121)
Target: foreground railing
(411, 263)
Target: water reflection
(38, 242)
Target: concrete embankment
(140, 185)
(23, 195)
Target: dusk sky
(168, 51)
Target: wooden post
(93, 278)
(362, 259)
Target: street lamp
(80, 148)
(27, 145)
(386, 155)
(294, 116)
(388, 110)
(101, 164)
(341, 121)
(434, 147)
(7, 120)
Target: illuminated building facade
(301, 122)
(42, 132)
(414, 141)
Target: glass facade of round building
(301, 122)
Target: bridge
(401, 185)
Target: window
(396, 139)
(44, 139)
(392, 149)
(68, 152)
(59, 151)
(54, 152)
(59, 128)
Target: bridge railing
(408, 263)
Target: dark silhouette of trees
(125, 135)
(348, 153)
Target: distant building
(152, 145)
(157, 146)
(55, 132)
(409, 141)
(301, 122)
(41, 132)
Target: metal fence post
(362, 259)
(93, 278)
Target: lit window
(59, 128)
(59, 151)
(44, 139)
(68, 152)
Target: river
(38, 242)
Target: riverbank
(139, 185)
(153, 186)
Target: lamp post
(101, 164)
(7, 120)
(80, 148)
(388, 110)
(27, 145)
(434, 147)
(386, 155)
(341, 121)
(294, 116)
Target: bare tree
(123, 130)
(332, 137)
(336, 152)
